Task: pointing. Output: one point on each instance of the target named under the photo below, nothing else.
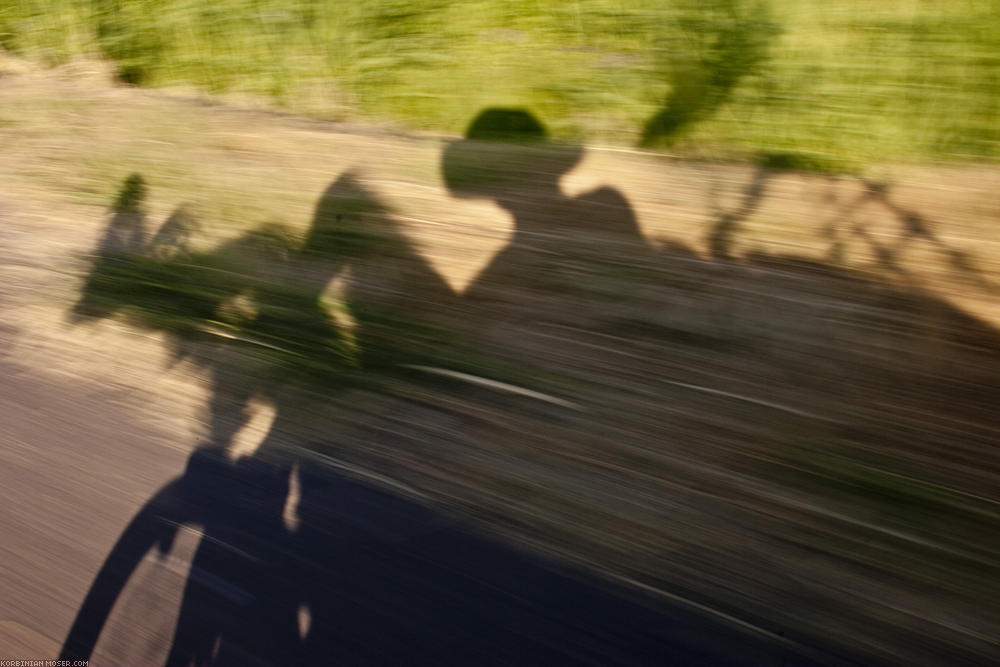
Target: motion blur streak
(591, 332)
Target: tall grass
(847, 80)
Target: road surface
(213, 570)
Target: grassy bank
(836, 80)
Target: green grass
(840, 81)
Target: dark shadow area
(562, 266)
(379, 580)
(800, 375)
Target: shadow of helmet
(504, 149)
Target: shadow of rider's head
(503, 152)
